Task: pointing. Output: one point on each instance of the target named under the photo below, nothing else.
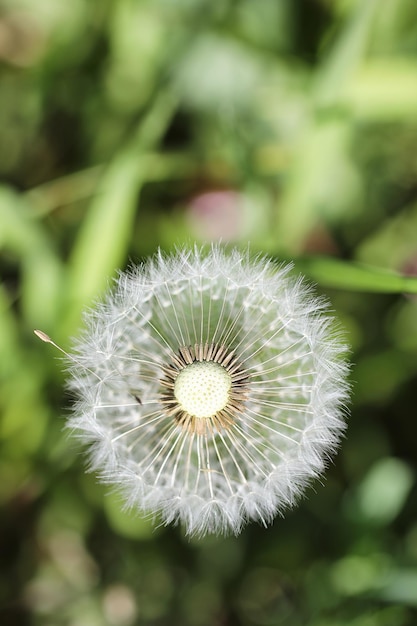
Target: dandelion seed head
(211, 388)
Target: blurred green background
(131, 124)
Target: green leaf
(384, 490)
(329, 272)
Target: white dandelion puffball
(211, 388)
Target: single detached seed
(202, 388)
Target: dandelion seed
(211, 389)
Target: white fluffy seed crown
(211, 388)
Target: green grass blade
(346, 55)
(353, 276)
(103, 238)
